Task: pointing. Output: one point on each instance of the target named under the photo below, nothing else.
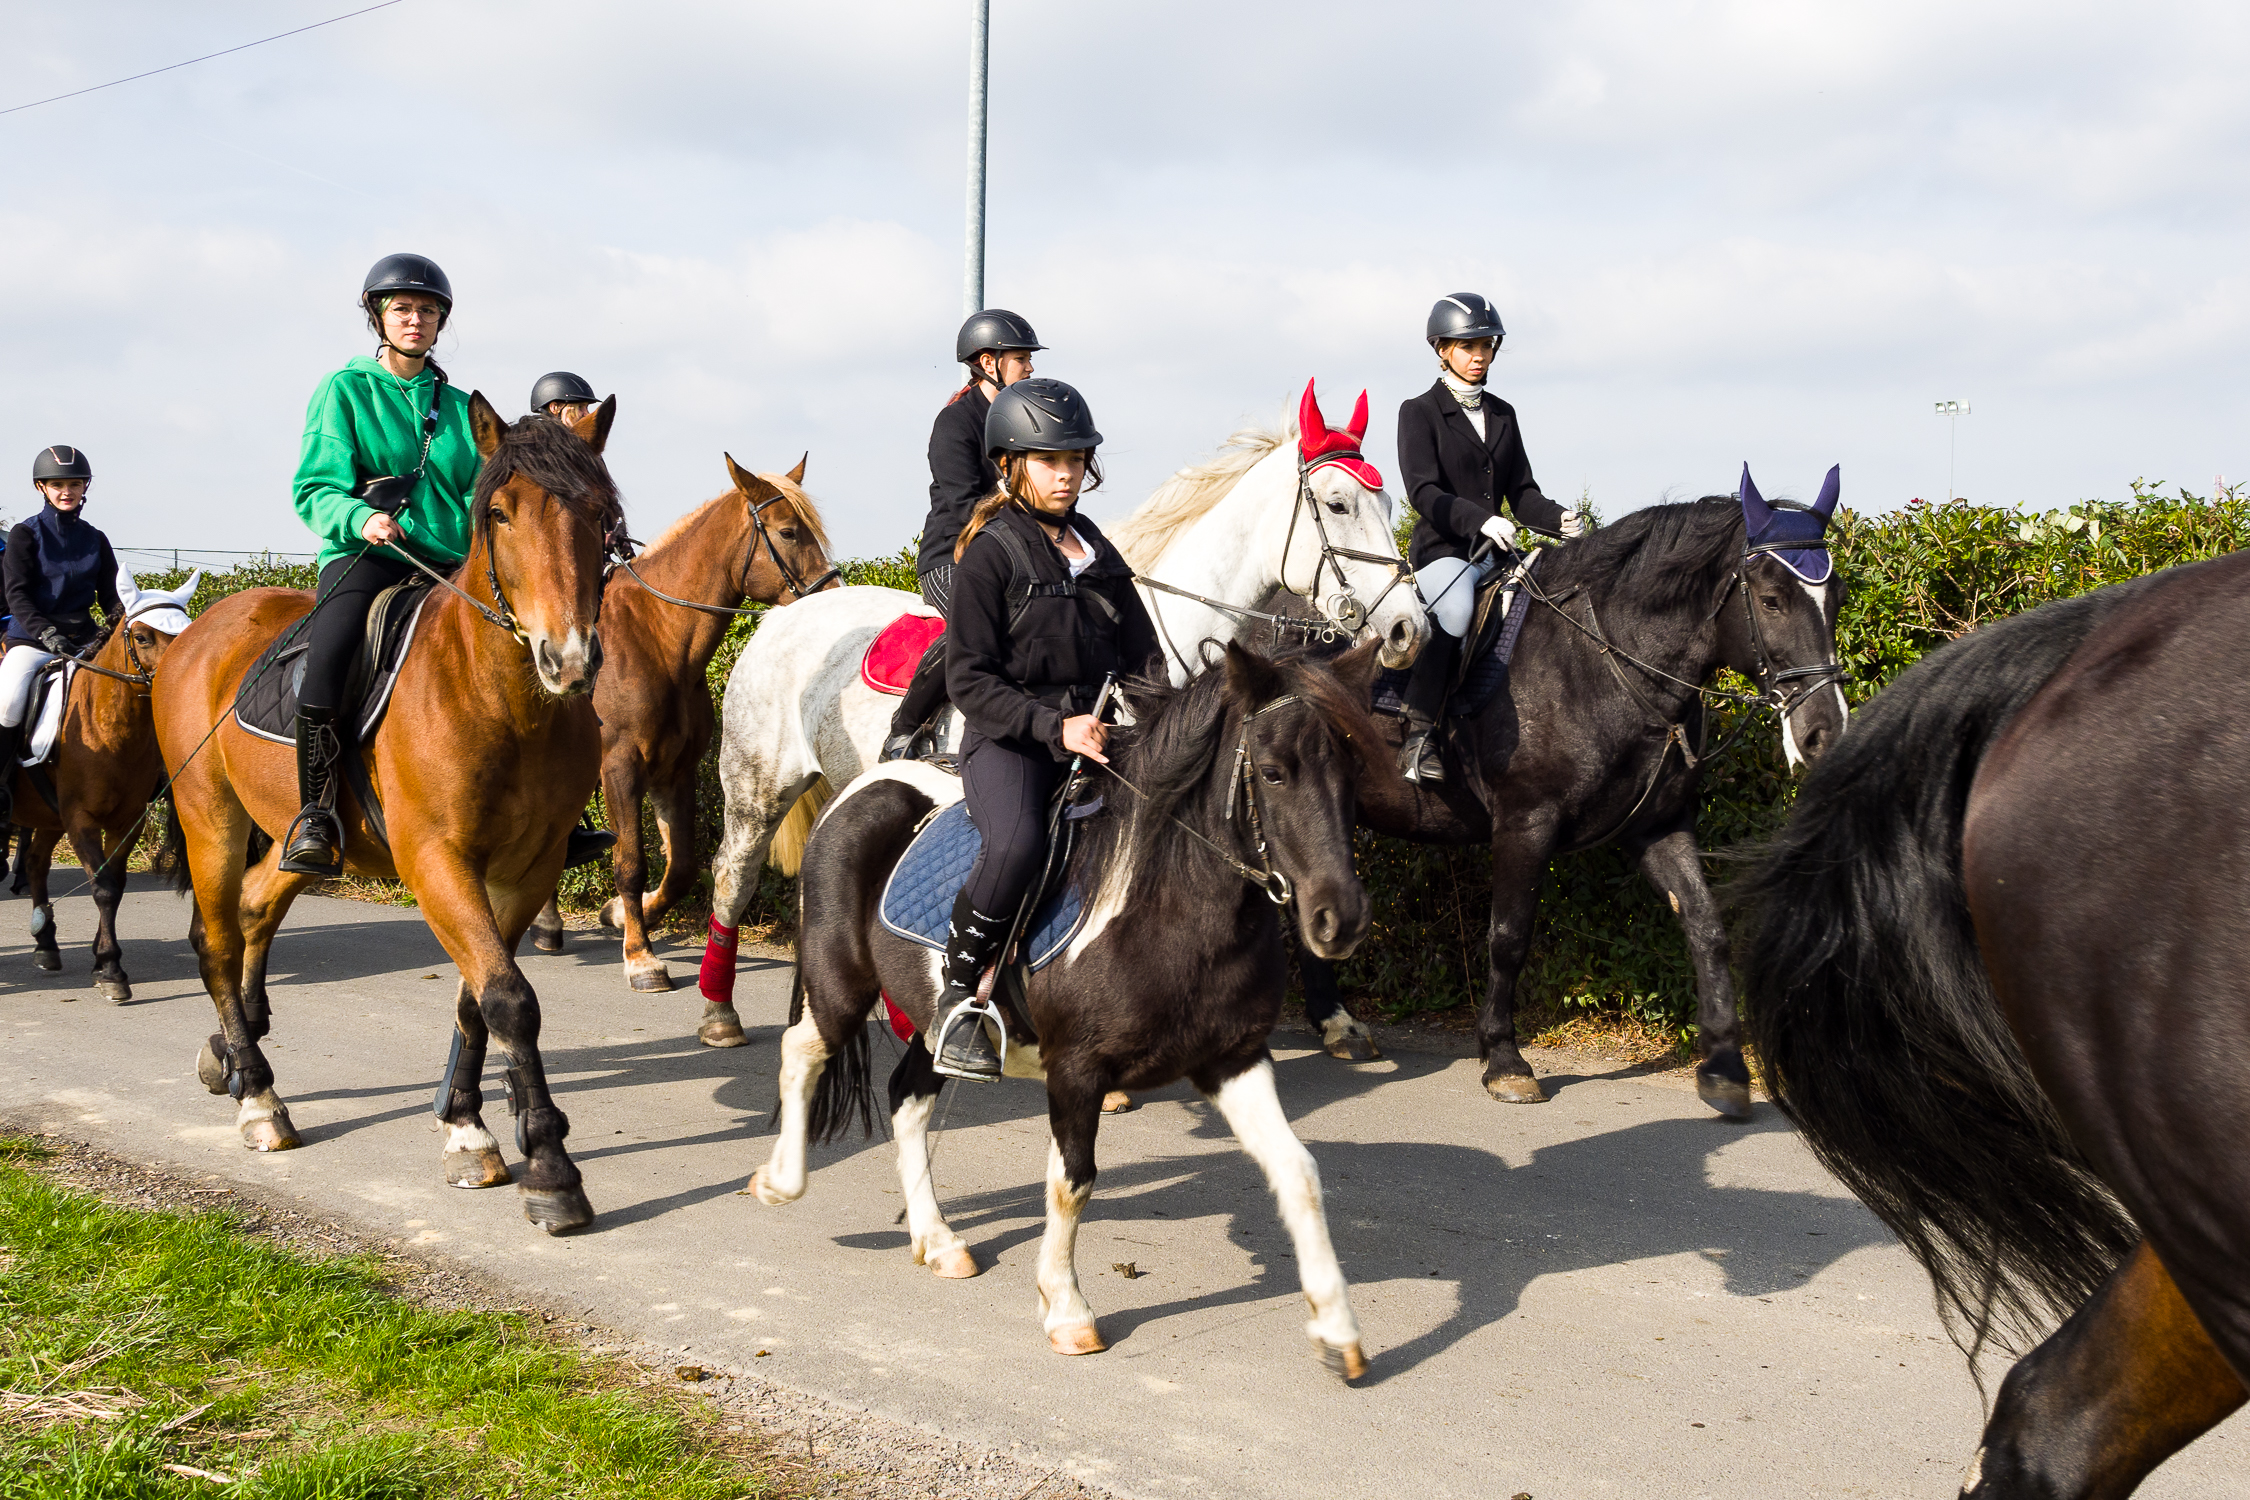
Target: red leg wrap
(716, 978)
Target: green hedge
(1917, 578)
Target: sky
(1719, 232)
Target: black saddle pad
(267, 704)
(1484, 662)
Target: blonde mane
(1189, 495)
(792, 494)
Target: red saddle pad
(889, 663)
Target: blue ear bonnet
(1795, 535)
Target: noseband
(1273, 882)
(790, 578)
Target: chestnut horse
(761, 541)
(103, 772)
(487, 753)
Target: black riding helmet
(405, 273)
(1039, 416)
(61, 462)
(1464, 315)
(561, 385)
(994, 330)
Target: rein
(791, 579)
(1273, 883)
(1341, 615)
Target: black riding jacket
(55, 587)
(960, 475)
(1456, 481)
(1016, 685)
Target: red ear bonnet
(1319, 445)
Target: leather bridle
(791, 580)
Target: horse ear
(752, 485)
(1755, 511)
(128, 591)
(1252, 680)
(185, 593)
(1358, 425)
(594, 426)
(1356, 670)
(485, 425)
(797, 475)
(1830, 488)
(1311, 427)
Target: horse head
(546, 516)
(1303, 743)
(787, 542)
(151, 619)
(1341, 551)
(1785, 640)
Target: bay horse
(482, 762)
(104, 770)
(762, 541)
(1177, 971)
(1595, 737)
(1275, 510)
(1995, 974)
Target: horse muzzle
(567, 667)
(1332, 919)
(1402, 642)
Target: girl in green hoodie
(389, 465)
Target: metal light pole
(972, 279)
(1953, 412)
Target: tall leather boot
(925, 694)
(314, 844)
(963, 1049)
(1418, 759)
(11, 748)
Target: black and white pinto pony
(1178, 970)
(1595, 739)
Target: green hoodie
(364, 422)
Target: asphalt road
(1614, 1293)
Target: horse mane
(559, 461)
(1661, 557)
(792, 494)
(1190, 494)
(1175, 753)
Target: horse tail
(788, 852)
(846, 1089)
(1875, 1019)
(171, 861)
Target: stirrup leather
(971, 1012)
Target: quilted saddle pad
(893, 655)
(918, 899)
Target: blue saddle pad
(918, 899)
(1478, 683)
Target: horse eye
(789, 533)
(1273, 777)
(1338, 506)
(1771, 603)
(499, 516)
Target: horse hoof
(762, 1189)
(547, 942)
(1515, 1088)
(271, 1132)
(1723, 1094)
(956, 1264)
(1347, 1361)
(1077, 1338)
(48, 959)
(653, 979)
(557, 1210)
(1118, 1102)
(481, 1168)
(1354, 1044)
(115, 991)
(721, 1027)
(209, 1071)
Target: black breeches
(925, 694)
(1008, 793)
(348, 587)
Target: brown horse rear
(486, 754)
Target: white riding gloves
(1501, 530)
(1573, 523)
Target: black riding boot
(314, 844)
(925, 696)
(1418, 758)
(11, 747)
(587, 844)
(964, 1049)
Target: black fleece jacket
(1015, 686)
(960, 475)
(1457, 481)
(36, 604)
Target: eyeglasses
(413, 314)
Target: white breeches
(17, 669)
(1448, 586)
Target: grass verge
(158, 1354)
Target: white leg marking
(470, 1137)
(935, 1243)
(1069, 1321)
(803, 1055)
(1253, 1112)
